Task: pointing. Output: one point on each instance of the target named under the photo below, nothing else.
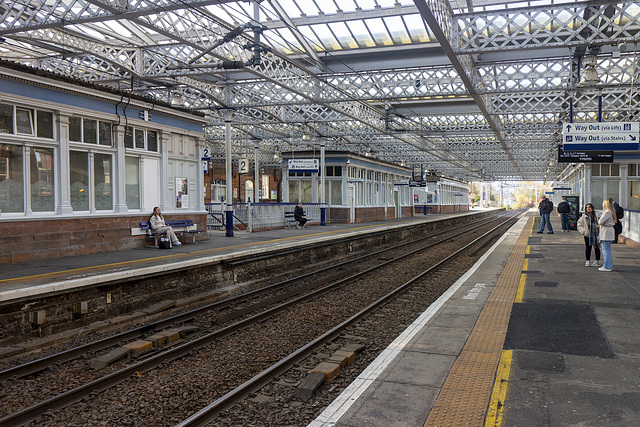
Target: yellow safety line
(182, 255)
(466, 393)
(495, 416)
(523, 278)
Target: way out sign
(303, 165)
(600, 136)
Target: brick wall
(25, 241)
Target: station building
(80, 165)
(618, 179)
(356, 188)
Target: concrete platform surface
(64, 273)
(571, 355)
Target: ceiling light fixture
(176, 99)
(590, 75)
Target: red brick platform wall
(30, 240)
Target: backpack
(619, 211)
(563, 207)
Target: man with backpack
(563, 213)
(618, 225)
(545, 207)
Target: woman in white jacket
(158, 224)
(588, 227)
(607, 234)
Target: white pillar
(166, 188)
(64, 186)
(121, 182)
(624, 186)
(199, 177)
(256, 174)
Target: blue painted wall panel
(50, 95)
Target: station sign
(584, 156)
(303, 165)
(600, 136)
(243, 166)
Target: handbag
(164, 243)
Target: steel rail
(43, 363)
(64, 399)
(208, 414)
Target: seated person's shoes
(177, 243)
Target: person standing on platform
(158, 224)
(563, 213)
(606, 222)
(619, 214)
(298, 215)
(588, 227)
(545, 207)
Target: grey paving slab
(409, 368)
(441, 340)
(390, 404)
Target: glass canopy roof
(471, 89)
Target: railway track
(250, 313)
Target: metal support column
(229, 200)
(323, 172)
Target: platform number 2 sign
(243, 166)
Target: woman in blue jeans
(607, 234)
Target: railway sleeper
(139, 347)
(327, 370)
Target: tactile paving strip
(465, 395)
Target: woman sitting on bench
(157, 223)
(298, 215)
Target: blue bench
(289, 220)
(180, 226)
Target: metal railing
(259, 216)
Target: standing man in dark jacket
(563, 212)
(619, 214)
(298, 215)
(545, 207)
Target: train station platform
(30, 280)
(529, 336)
